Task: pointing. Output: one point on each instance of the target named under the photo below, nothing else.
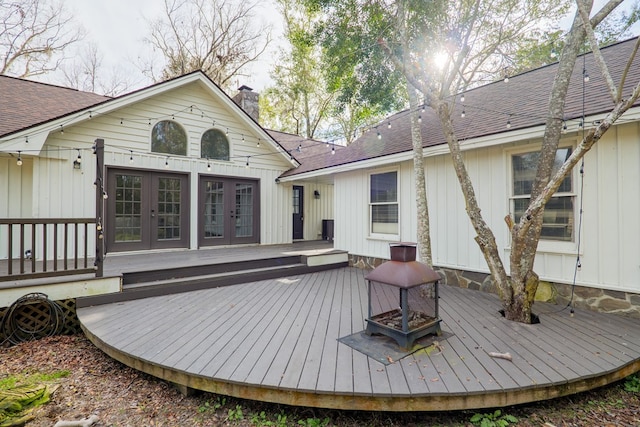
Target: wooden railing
(46, 247)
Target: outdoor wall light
(316, 194)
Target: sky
(118, 28)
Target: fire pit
(403, 297)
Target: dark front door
(147, 210)
(298, 212)
(229, 211)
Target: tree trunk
(422, 206)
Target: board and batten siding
(610, 239)
(48, 186)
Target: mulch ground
(121, 396)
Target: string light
(131, 157)
(90, 114)
(463, 114)
(333, 149)
(26, 139)
(227, 132)
(242, 138)
(462, 98)
(420, 119)
(585, 75)
(299, 148)
(258, 143)
(19, 161)
(509, 122)
(121, 121)
(389, 125)
(105, 195)
(79, 158)
(61, 129)
(506, 75)
(379, 135)
(247, 165)
(208, 165)
(564, 126)
(166, 163)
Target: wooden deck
(276, 341)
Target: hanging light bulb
(242, 138)
(79, 158)
(19, 161)
(131, 157)
(258, 144)
(419, 119)
(61, 129)
(509, 122)
(208, 165)
(105, 195)
(506, 75)
(462, 114)
(564, 126)
(389, 125)
(227, 132)
(90, 114)
(299, 148)
(247, 165)
(379, 135)
(333, 149)
(166, 163)
(585, 75)
(121, 121)
(422, 110)
(462, 98)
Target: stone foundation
(595, 299)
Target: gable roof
(47, 105)
(26, 103)
(522, 101)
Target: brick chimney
(247, 99)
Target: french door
(229, 211)
(146, 210)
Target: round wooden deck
(277, 341)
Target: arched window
(214, 145)
(169, 137)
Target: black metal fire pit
(411, 314)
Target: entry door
(298, 212)
(229, 211)
(147, 210)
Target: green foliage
(235, 414)
(495, 419)
(632, 383)
(212, 407)
(314, 422)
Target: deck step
(137, 289)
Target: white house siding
(610, 250)
(48, 186)
(314, 210)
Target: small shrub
(495, 419)
(235, 414)
(632, 383)
(314, 422)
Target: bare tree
(33, 36)
(218, 37)
(86, 72)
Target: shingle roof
(25, 103)
(312, 151)
(523, 101)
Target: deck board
(278, 340)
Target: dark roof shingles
(25, 103)
(523, 101)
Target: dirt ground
(121, 396)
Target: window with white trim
(558, 219)
(383, 203)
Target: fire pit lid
(403, 274)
